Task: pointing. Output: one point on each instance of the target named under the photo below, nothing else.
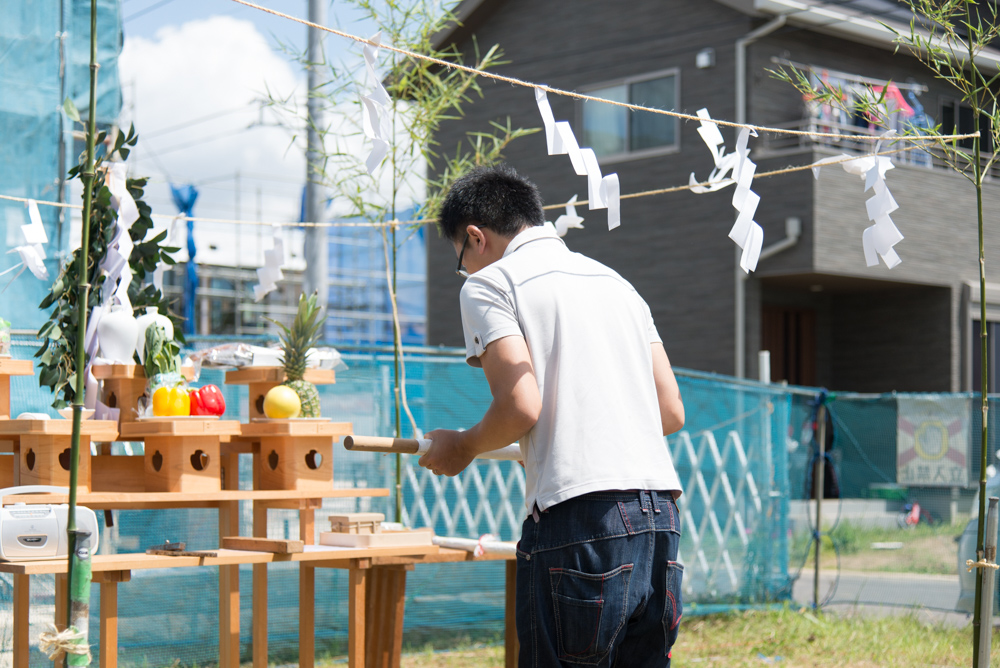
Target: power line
(143, 12)
(195, 121)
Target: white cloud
(220, 69)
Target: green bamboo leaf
(71, 110)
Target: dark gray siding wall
(673, 248)
(894, 339)
(937, 213)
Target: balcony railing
(848, 142)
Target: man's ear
(477, 239)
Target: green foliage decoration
(59, 333)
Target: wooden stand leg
(357, 577)
(229, 576)
(386, 594)
(108, 633)
(511, 647)
(259, 593)
(109, 625)
(307, 593)
(22, 598)
(62, 598)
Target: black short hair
(494, 197)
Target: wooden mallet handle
(405, 446)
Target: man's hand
(448, 454)
(514, 411)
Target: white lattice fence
(724, 502)
(720, 509)
(488, 497)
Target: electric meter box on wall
(31, 532)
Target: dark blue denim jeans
(598, 583)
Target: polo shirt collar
(544, 231)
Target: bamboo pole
(78, 578)
(988, 575)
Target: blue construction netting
(45, 58)
(731, 459)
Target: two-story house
(826, 317)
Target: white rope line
(581, 96)
(56, 643)
(982, 563)
(428, 221)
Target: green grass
(757, 638)
(926, 549)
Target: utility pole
(316, 247)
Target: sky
(194, 74)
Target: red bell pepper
(207, 400)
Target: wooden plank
(185, 553)
(97, 430)
(7, 466)
(185, 426)
(276, 375)
(510, 643)
(136, 501)
(13, 367)
(129, 372)
(295, 427)
(109, 625)
(307, 593)
(384, 616)
(121, 473)
(21, 609)
(61, 601)
(262, 544)
(229, 576)
(317, 555)
(357, 580)
(259, 610)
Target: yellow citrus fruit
(281, 402)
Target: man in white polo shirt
(580, 377)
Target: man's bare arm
(514, 411)
(668, 394)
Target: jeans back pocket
(673, 608)
(589, 611)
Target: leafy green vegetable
(162, 354)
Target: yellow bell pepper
(171, 401)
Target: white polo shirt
(589, 333)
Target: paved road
(933, 596)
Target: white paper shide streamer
(570, 219)
(878, 239)
(374, 113)
(603, 192)
(32, 252)
(269, 275)
(747, 234)
(724, 164)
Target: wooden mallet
(413, 446)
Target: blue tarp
(31, 123)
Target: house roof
(863, 21)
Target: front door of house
(790, 335)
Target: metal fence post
(818, 492)
(989, 576)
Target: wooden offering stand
(295, 453)
(124, 384)
(263, 378)
(181, 454)
(42, 450)
(11, 367)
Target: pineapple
(296, 342)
